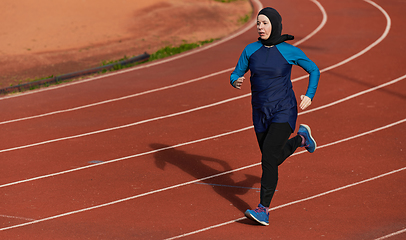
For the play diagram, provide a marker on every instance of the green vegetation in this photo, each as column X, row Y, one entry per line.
column 244, row 19
column 170, row 51
column 161, row 53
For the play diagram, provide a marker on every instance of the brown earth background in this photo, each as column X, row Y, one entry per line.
column 53, row 37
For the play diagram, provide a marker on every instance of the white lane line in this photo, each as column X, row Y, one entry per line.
column 256, row 5
column 296, row 202
column 199, row 140
column 379, row 40
column 356, row 94
column 392, row 234
column 324, row 20
column 220, row 174
column 386, row 32
column 14, row 217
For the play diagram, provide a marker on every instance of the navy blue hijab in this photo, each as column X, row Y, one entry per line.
column 276, row 21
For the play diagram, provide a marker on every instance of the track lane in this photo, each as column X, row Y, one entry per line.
column 148, row 168
column 363, row 103
column 333, row 114
column 281, row 194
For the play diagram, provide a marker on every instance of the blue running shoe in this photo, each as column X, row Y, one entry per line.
column 310, row 144
column 260, row 214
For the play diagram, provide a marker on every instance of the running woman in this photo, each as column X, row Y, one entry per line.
column 274, row 105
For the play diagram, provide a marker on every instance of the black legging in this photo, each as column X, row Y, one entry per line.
column 275, row 147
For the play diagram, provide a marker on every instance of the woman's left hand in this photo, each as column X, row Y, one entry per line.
column 306, row 101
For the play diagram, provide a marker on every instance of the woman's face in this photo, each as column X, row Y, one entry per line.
column 264, row 27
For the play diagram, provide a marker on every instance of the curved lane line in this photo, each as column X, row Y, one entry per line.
column 256, row 5
column 392, row 234
column 379, row 40
column 14, row 217
column 321, row 25
column 386, row 32
column 323, row 22
column 196, row 141
column 224, row 173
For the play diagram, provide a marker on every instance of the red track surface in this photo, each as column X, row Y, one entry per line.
column 87, row 174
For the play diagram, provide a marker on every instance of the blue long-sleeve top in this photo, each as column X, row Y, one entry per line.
column 273, row 99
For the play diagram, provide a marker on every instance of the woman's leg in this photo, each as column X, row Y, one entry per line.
column 290, row 147
column 275, row 148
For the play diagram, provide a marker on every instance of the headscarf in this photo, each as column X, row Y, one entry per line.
column 276, row 21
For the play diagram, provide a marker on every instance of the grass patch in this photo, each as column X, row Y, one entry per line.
column 161, row 53
column 244, row 19
column 170, row 51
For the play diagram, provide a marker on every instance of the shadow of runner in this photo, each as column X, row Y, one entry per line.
column 195, row 166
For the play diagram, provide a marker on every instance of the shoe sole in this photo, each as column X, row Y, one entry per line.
column 310, row 135
column 249, row 216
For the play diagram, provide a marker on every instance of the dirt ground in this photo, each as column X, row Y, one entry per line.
column 48, row 37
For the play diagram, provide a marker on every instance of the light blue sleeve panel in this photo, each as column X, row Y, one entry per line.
column 296, row 56
column 243, row 61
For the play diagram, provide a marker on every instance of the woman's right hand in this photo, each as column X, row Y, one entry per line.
column 237, row 83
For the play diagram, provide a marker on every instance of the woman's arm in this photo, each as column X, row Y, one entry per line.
column 237, row 76
column 296, row 56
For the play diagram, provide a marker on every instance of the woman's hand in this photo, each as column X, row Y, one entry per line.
column 306, row 101
column 237, row 83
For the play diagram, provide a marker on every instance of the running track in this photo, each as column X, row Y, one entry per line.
column 167, row 151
